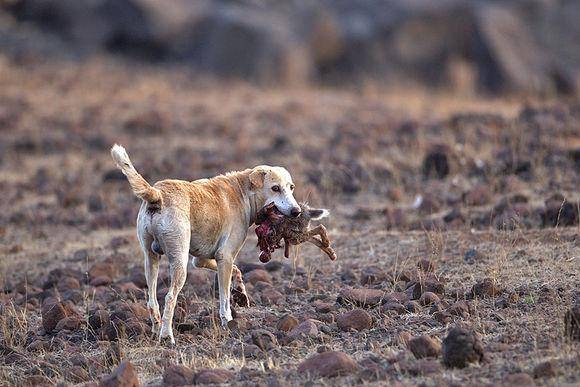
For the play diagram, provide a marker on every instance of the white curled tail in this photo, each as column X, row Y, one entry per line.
column 141, row 188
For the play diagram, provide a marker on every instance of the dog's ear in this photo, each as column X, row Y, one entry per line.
column 318, row 213
column 257, row 178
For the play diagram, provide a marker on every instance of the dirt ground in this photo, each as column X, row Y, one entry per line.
column 472, row 200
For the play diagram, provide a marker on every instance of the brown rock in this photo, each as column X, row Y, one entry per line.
column 70, row 323
column 257, row 275
column 424, row 346
column 428, row 285
column 270, row 296
column 519, row 379
column 361, row 297
column 102, row 280
column 485, row 288
column 305, row 330
column 130, row 289
column 428, row 298
column 323, row 307
column 461, row 347
column 399, row 297
column 460, row 308
column 393, row 306
column 420, row 367
column 407, row 275
column 357, row 319
column 102, row 269
column 238, row 324
column 124, row 376
column 373, row 275
column 328, row 364
column 264, row 339
column 68, row 283
column 98, row 318
column 52, row 312
column 545, row 369
column 137, row 276
column 287, row 323
column 426, row 265
column 213, row 376
column 177, row 375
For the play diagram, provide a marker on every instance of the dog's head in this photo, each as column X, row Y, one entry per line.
column 274, row 185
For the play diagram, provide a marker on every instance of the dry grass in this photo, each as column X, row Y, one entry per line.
column 61, row 119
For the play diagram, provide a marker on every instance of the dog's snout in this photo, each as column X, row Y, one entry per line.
column 296, row 211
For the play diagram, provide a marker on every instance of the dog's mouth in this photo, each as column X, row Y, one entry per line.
column 269, row 212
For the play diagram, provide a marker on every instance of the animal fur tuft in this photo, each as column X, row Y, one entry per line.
column 141, row 188
column 319, row 214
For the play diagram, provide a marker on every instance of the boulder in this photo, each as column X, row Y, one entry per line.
column 52, row 313
column 428, row 298
column 177, row 375
column 213, row 376
column 461, row 347
column 361, row 297
column 258, row 275
column 485, row 288
column 424, row 346
column 123, row 376
column 102, row 269
column 328, row 364
column 357, row 319
column 305, row 330
column 264, row 339
column 287, row 323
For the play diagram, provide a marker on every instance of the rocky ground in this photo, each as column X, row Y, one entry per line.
column 455, row 221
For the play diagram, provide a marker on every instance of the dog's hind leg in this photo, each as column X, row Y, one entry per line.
column 151, row 263
column 176, row 247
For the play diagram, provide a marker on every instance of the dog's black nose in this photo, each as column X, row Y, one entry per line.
column 295, row 212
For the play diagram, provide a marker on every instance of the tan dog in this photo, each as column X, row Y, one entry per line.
column 207, row 219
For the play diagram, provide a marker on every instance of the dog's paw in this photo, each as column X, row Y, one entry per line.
column 240, row 298
column 167, row 341
column 166, row 336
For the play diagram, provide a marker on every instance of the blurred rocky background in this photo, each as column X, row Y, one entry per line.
column 513, row 46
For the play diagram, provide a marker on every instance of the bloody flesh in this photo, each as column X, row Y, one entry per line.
column 268, row 238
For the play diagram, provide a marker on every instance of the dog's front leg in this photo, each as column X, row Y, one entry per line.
column 225, row 263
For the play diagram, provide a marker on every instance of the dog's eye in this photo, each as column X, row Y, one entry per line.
column 276, row 188
column 292, row 187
